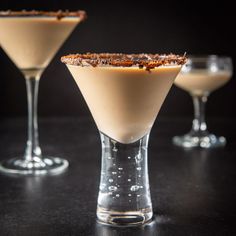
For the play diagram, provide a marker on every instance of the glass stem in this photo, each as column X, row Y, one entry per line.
column 124, row 194
column 32, row 151
column 199, row 124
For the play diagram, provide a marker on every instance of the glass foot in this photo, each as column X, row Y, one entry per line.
column 127, row 218
column 205, row 141
column 38, row 166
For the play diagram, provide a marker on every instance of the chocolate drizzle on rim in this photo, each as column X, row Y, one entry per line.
column 143, row 60
column 59, row 14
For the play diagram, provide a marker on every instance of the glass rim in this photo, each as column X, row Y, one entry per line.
column 44, row 14
column 140, row 60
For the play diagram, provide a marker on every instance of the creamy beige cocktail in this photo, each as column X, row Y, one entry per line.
column 31, row 39
column 124, row 101
column 199, row 77
column 202, row 81
column 124, row 94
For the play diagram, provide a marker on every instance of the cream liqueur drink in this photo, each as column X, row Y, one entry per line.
column 202, row 81
column 200, row 76
column 31, row 39
column 124, row 93
column 124, row 100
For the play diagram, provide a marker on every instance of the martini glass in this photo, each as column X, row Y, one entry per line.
column 124, row 94
column 31, row 39
column 199, row 77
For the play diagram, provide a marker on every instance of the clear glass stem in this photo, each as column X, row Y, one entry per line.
column 199, row 124
column 33, row 162
column 32, row 151
column 199, row 135
column 124, row 194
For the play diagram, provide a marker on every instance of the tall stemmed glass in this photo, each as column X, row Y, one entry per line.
column 199, row 77
column 124, row 94
column 31, row 39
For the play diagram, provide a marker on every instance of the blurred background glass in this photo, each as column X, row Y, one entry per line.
column 200, row 76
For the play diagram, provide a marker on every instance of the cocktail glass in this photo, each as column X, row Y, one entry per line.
column 124, row 94
column 31, row 39
column 199, row 77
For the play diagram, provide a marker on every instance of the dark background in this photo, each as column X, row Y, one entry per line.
column 193, row 191
column 195, row 27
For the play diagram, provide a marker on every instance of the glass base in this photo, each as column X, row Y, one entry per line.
column 127, row 218
column 39, row 166
column 205, row 141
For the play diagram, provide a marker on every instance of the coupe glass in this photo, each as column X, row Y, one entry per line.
column 124, row 94
column 31, row 39
column 199, row 77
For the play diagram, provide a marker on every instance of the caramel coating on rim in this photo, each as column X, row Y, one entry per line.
column 143, row 60
column 59, row 14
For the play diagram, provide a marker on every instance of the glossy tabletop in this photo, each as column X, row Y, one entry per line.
column 193, row 191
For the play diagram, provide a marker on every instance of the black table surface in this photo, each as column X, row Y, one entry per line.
column 193, row 191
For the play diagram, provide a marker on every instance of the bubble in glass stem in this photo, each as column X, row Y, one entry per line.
column 134, row 188
column 112, row 188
